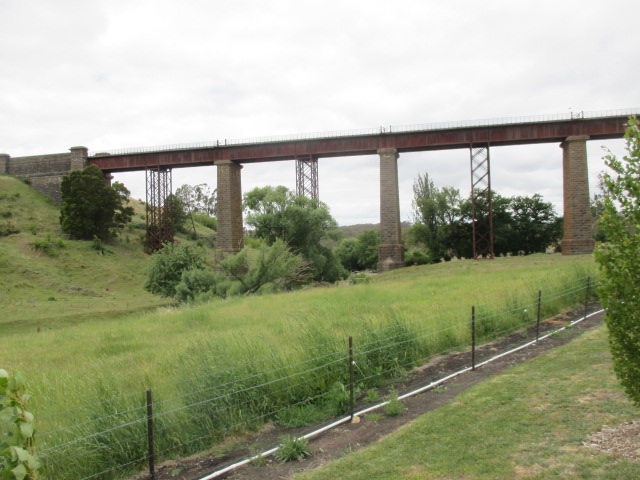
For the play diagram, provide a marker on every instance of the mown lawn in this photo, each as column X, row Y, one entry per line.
column 529, row 422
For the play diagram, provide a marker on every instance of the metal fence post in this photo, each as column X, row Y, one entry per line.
column 473, row 337
column 351, row 385
column 150, row 434
column 538, row 320
column 586, row 297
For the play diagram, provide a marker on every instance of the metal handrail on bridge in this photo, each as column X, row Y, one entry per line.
column 373, row 131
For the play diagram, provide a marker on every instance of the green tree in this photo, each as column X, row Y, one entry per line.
column 303, row 224
column 90, row 207
column 437, row 217
column 535, row 225
column 178, row 214
column 619, row 261
column 359, row 253
column 167, row 266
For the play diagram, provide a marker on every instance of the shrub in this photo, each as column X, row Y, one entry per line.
column 201, row 284
column 417, row 256
column 167, row 266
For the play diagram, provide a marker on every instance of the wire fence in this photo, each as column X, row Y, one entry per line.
column 424, row 127
column 122, row 434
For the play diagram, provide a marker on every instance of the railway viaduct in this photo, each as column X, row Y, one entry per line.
column 571, row 132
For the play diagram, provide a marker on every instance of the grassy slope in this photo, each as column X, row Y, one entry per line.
column 74, row 282
column 529, row 422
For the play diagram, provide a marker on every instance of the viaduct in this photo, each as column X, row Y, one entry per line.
column 570, row 131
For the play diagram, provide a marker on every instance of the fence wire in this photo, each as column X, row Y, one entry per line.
column 283, row 394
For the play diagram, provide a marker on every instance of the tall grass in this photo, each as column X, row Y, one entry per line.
column 287, row 363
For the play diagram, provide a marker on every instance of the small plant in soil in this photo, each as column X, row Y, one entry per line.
column 395, row 406
column 292, row 448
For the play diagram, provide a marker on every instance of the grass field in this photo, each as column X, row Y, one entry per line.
column 67, row 323
column 529, row 422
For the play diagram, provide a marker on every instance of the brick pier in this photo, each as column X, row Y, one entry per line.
column 229, row 207
column 578, row 222
column 390, row 254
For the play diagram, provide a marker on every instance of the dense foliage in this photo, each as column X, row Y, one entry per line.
column 303, row 224
column 521, row 224
column 90, row 207
column 167, row 266
column 360, row 253
column 619, row 261
column 180, row 271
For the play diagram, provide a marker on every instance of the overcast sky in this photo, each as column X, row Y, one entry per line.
column 124, row 73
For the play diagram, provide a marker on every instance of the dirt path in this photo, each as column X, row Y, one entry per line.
column 349, row 437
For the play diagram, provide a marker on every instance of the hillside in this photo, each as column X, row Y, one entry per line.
column 48, row 280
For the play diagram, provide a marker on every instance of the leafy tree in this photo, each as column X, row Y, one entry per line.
column 359, row 253
column 168, row 264
column 619, row 261
column 198, row 199
column 437, row 214
column 177, row 213
column 303, row 224
column 535, row 225
column 90, row 207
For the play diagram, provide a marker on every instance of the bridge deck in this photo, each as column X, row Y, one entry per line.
column 546, row 131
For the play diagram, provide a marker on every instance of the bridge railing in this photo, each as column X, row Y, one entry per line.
column 424, row 127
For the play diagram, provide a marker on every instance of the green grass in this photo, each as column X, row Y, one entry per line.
column 529, row 422
column 49, row 282
column 69, row 327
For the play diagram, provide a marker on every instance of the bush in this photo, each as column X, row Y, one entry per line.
column 48, row 246
column 200, row 285
column 417, row 256
column 167, row 266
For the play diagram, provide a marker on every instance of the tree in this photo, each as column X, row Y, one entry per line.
column 167, row 266
column 437, row 214
column 177, row 213
column 90, row 207
column 359, row 253
column 198, row 199
column 535, row 225
column 303, row 224
column 619, row 261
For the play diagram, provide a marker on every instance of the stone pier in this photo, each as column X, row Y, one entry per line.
column 390, row 254
column 578, row 222
column 229, row 213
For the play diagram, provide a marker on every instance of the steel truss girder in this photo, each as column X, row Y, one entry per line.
column 307, row 177
column 481, row 202
column 158, row 208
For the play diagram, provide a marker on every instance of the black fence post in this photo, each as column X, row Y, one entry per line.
column 473, row 337
column 152, row 471
column 539, row 311
column 351, row 386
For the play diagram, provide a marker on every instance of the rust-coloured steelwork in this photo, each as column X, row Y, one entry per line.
column 307, row 177
column 481, row 202
column 369, row 144
column 158, row 209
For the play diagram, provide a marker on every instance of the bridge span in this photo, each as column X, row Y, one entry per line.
column 570, row 131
